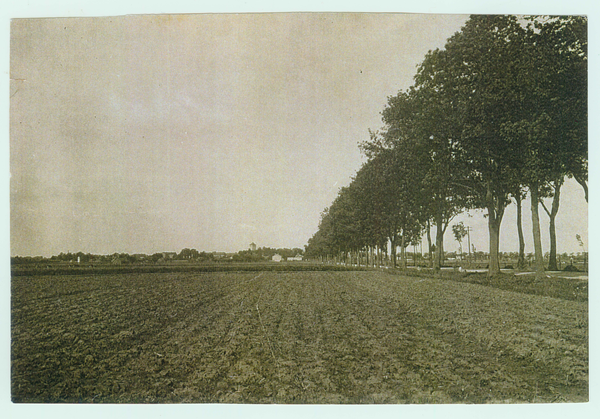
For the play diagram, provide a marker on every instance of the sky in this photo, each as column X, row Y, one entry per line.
column 150, row 133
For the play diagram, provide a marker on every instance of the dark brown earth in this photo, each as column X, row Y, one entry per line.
column 292, row 337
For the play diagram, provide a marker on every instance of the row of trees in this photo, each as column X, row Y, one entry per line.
column 500, row 112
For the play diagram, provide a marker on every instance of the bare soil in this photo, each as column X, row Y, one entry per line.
column 292, row 337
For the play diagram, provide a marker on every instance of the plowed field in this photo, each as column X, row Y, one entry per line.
column 292, row 337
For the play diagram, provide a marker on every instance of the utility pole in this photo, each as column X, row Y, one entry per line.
column 469, row 242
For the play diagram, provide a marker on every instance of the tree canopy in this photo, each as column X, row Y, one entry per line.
column 502, row 108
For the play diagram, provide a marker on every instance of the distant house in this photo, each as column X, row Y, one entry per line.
column 276, row 257
column 219, row 255
column 140, row 258
column 298, row 257
column 169, row 255
column 253, row 247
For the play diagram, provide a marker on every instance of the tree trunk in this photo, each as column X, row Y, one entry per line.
column 439, row 243
column 552, row 265
column 495, row 206
column 393, row 250
column 403, row 251
column 373, row 253
column 537, row 237
column 429, row 244
column 521, row 260
column 494, row 232
column 582, row 181
column 386, row 255
column 415, row 255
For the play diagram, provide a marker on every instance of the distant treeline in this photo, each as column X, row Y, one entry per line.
column 266, row 253
column 189, row 255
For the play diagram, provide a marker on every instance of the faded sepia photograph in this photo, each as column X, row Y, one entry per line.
column 299, row 208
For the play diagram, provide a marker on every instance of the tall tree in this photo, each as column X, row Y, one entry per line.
column 390, row 185
column 422, row 125
column 552, row 131
column 519, row 196
column 372, row 201
column 460, row 231
column 321, row 243
column 552, row 212
column 562, row 95
column 475, row 77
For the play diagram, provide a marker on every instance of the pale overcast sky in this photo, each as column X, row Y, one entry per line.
column 142, row 134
